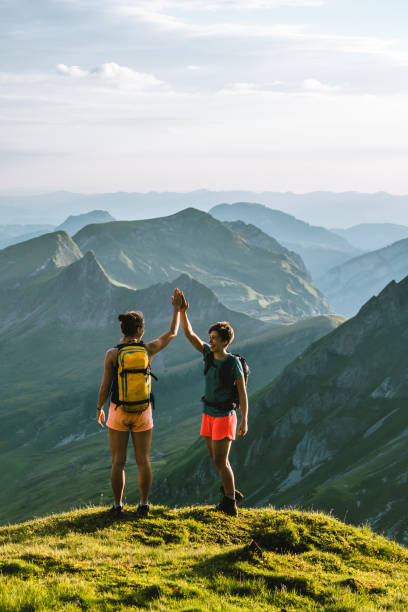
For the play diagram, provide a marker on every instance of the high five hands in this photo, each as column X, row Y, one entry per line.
column 176, row 299
column 179, row 301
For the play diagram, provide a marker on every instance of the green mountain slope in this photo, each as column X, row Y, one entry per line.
column 196, row 559
column 331, row 431
column 255, row 236
column 319, row 248
column 246, row 278
column 36, row 258
column 350, row 285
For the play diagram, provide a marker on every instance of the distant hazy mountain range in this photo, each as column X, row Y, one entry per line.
column 247, row 278
column 319, row 248
column 11, row 234
column 372, row 236
column 331, row 431
column 350, row 285
column 318, row 208
column 74, row 223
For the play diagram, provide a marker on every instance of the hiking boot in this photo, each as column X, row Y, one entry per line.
column 142, row 511
column 116, row 511
column 238, row 495
column 228, row 506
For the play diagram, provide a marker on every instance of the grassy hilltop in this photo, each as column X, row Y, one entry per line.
column 196, row 559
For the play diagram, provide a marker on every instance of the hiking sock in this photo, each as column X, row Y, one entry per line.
column 143, row 505
column 231, row 497
column 116, row 506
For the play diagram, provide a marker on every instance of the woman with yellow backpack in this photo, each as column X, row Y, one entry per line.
column 127, row 376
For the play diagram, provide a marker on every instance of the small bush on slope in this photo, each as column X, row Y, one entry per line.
column 195, row 559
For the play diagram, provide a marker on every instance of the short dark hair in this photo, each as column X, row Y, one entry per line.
column 131, row 322
column 224, row 330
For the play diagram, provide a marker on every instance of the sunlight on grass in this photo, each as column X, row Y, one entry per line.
column 195, row 559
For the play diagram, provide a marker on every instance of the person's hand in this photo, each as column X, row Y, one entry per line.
column 100, row 416
column 176, row 299
column 184, row 304
column 243, row 427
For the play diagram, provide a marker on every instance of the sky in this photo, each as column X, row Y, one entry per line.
column 176, row 95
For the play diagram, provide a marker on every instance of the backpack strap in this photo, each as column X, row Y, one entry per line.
column 140, row 343
column 208, row 362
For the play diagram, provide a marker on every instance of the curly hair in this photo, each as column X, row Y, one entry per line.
column 224, row 330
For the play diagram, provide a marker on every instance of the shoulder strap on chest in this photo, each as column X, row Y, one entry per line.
column 208, row 362
column 119, row 346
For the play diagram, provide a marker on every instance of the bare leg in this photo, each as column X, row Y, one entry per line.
column 141, row 444
column 118, row 441
column 220, row 452
column 208, row 442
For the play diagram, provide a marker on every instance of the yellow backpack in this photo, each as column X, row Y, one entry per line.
column 131, row 386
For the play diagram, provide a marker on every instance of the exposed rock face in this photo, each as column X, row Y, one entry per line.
column 332, row 429
column 351, row 284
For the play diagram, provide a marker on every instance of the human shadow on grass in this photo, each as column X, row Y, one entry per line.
column 245, row 567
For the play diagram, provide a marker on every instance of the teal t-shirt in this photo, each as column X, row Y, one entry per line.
column 214, row 390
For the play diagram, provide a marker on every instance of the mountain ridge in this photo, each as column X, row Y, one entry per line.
column 318, row 247
column 246, row 278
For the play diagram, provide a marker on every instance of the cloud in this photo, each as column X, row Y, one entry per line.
column 72, row 71
column 315, row 86
column 111, row 72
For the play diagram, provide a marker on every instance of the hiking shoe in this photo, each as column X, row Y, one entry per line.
column 238, row 495
column 116, row 511
column 142, row 511
column 228, row 506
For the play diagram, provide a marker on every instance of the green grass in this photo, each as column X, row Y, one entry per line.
column 197, row 559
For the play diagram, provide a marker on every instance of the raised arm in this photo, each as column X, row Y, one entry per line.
column 160, row 343
column 186, row 325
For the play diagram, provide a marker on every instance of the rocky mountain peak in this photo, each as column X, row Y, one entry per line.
column 84, row 274
column 38, row 257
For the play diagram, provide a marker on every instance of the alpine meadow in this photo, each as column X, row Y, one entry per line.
column 203, row 306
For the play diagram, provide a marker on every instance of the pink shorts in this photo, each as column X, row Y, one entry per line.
column 218, row 428
column 120, row 420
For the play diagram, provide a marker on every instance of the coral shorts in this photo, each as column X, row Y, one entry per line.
column 120, row 420
column 218, row 428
